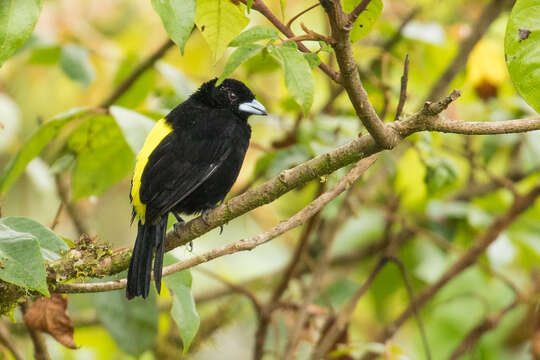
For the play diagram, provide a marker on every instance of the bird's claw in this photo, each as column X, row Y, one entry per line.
column 178, row 226
column 190, row 246
column 204, row 217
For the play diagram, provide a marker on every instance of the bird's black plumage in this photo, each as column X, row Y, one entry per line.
column 190, row 170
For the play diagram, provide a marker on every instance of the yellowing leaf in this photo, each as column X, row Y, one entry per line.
column 367, row 18
column 486, row 64
column 409, row 182
column 220, row 21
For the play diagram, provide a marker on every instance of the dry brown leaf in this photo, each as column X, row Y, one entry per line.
column 49, row 315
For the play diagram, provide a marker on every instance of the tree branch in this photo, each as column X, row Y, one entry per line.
column 488, row 323
column 241, row 245
column 353, row 15
column 350, row 77
column 7, row 342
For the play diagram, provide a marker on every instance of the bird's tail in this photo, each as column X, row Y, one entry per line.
column 150, row 239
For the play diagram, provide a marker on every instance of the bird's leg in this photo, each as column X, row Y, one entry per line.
column 204, row 217
column 178, row 224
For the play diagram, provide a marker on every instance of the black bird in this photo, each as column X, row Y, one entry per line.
column 189, row 162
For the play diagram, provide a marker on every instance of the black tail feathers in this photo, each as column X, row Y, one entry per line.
column 150, row 239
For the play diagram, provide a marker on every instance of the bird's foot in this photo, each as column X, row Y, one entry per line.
column 190, row 246
column 178, row 224
column 204, row 217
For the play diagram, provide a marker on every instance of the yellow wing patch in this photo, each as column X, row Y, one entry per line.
column 156, row 135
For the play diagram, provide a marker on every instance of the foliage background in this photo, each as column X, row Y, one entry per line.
column 81, row 50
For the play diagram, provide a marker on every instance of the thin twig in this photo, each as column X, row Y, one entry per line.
column 475, row 334
column 259, row 6
column 234, row 287
column 71, row 207
column 519, row 205
column 136, row 73
column 403, row 90
column 57, row 216
column 357, row 11
column 7, row 342
column 408, row 286
column 344, row 315
column 328, row 237
column 300, row 14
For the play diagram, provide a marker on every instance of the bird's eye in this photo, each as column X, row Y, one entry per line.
column 233, row 97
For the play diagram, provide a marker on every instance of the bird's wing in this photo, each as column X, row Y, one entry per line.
column 176, row 167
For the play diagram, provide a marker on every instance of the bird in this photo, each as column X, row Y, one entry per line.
column 187, row 165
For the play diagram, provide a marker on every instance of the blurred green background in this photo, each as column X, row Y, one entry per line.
column 81, row 50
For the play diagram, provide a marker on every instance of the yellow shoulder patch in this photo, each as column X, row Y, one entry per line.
column 156, row 135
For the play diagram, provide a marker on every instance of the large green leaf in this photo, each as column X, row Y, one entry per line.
column 239, row 55
column 367, row 18
column 298, row 75
column 134, row 126
column 133, row 324
column 76, row 65
column 256, row 33
column 20, row 260
column 178, row 17
column 33, row 146
column 522, row 50
column 51, row 245
column 183, row 310
column 103, row 156
column 17, row 21
column 219, row 22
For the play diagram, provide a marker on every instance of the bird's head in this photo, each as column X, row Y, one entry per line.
column 231, row 94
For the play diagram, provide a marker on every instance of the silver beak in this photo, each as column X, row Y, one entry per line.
column 253, row 107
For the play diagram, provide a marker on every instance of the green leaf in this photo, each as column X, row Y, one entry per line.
column 298, row 75
column 17, row 21
column 45, row 55
column 440, row 173
column 134, row 126
column 103, row 156
column 272, row 163
column 76, row 65
column 256, row 33
column 20, row 260
column 51, row 245
column 219, row 22
column 239, row 55
column 522, row 50
column 249, row 3
column 133, row 324
column 367, row 18
column 178, row 17
column 312, row 59
column 183, row 310
column 33, row 146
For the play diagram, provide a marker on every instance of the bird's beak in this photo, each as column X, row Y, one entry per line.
column 253, row 107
